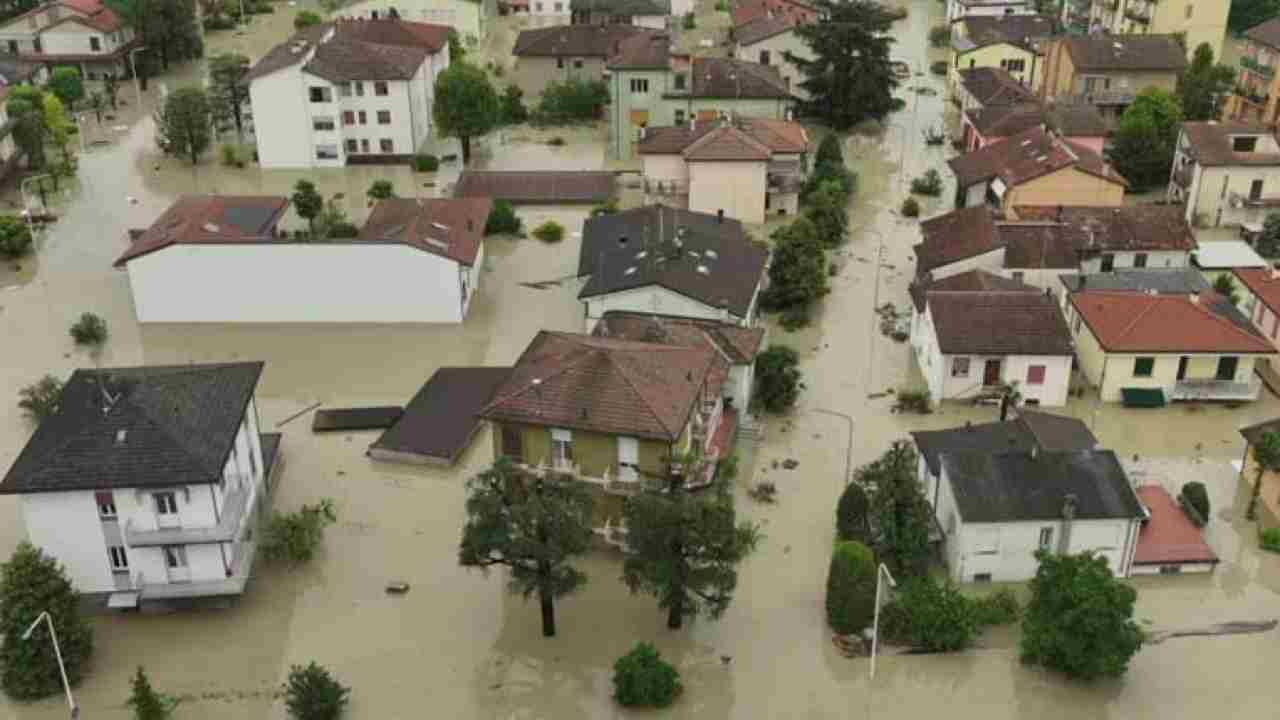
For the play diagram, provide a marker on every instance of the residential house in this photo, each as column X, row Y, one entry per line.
column 1108, row 71
column 1149, row 348
column 1008, row 42
column 147, row 483
column 1226, row 173
column 15, row 71
column 1035, row 167
column 415, row 261
column 556, row 54
column 84, row 34
column 972, row 344
column 1268, row 509
column 982, row 87
column 351, row 91
column 747, row 168
column 1169, row 543
column 737, row 344
column 767, row 35
column 1225, row 257
column 471, row 18
column 1079, row 124
column 1261, row 302
column 667, row 261
column 1257, row 91
column 1201, row 21
column 997, row 509
column 1182, row 281
column 650, row 85
column 961, row 9
column 1147, row 236
column 641, row 13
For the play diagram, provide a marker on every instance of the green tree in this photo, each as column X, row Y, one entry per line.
column 39, row 400
column 797, row 272
column 25, row 108
column 848, row 78
column 1226, row 287
column 851, row 588
column 641, row 678
column 110, row 89
column 333, row 222
column 65, row 82
column 15, row 237
column 31, row 583
column 1144, row 141
column 306, row 18
column 312, row 693
column 59, row 133
column 1266, row 458
column 147, row 703
column 381, row 190
column 778, row 378
column 502, row 220
column 228, row 91
column 938, row 617
column 185, row 123
column 1080, row 618
column 307, row 202
column 533, row 526
column 466, row 105
column 1197, row 496
column 685, row 549
column 830, row 151
column 572, row 99
column 900, row 514
column 1268, row 244
column 852, row 514
column 829, row 213
column 1245, row 14
column 457, row 51
column 90, row 329
column 168, row 28
column 1203, row 85
column 513, row 109
column 296, row 536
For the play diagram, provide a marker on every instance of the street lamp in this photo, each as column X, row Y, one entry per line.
column 71, row 703
column 882, row 573
column 133, row 65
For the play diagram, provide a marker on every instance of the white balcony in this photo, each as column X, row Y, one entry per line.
column 170, row 532
column 1209, row 389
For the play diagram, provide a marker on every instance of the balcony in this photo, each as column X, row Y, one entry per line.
column 1104, row 97
column 1265, row 71
column 234, row 508
column 666, row 188
column 233, row 584
column 1209, row 389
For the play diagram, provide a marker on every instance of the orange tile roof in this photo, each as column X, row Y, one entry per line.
column 1264, row 283
column 1169, row 536
column 1137, row 322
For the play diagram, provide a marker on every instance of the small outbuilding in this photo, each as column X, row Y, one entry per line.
column 439, row 422
column 1169, row 543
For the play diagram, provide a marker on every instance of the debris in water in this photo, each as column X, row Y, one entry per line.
column 1241, row 627
column 764, row 492
column 397, row 587
column 791, row 463
column 726, row 659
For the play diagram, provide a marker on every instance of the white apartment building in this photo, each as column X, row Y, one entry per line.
column 84, row 34
column 147, row 482
column 354, row 91
column 471, row 18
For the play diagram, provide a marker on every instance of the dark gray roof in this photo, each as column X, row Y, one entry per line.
column 1177, row 282
column 584, row 40
column 1022, row 486
column 537, row 186
column 700, row 256
column 441, row 419
column 622, row 7
column 1019, row 30
column 998, row 322
column 1039, row 430
column 137, row 427
column 1253, row 433
column 1103, row 53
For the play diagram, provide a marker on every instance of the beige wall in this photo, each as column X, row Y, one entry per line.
column 1067, row 186
column 665, row 168
column 991, row 56
column 1207, row 24
column 777, row 47
column 1212, row 192
column 737, row 188
column 533, row 74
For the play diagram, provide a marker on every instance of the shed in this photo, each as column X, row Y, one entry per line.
column 438, row 423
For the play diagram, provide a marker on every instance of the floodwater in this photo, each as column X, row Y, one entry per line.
column 458, row 645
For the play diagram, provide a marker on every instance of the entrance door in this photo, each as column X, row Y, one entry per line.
column 1182, row 367
column 991, row 373
column 1227, row 368
column 628, row 458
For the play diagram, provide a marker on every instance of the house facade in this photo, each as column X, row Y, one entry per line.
column 84, row 34
column 1256, row 98
column 1261, row 302
column 961, row 9
column 471, row 18
column 652, row 14
column 1198, row 22
column 1226, row 173
column 1108, row 71
column 353, row 91
column 1010, row 42
column 556, row 54
column 771, row 41
column 147, row 483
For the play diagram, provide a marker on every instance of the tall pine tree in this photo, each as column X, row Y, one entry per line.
column 849, row 78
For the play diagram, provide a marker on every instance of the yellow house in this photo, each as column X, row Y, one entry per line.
column 1185, row 347
column 1257, row 90
column 1108, row 71
column 1199, row 21
column 1009, row 42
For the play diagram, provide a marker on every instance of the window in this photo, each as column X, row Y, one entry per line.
column 1172, row 569
column 577, row 63
column 561, row 447
column 1035, row 374
column 680, row 81
column 960, row 367
column 1144, row 366
column 640, row 85
column 559, row 7
column 764, row 57
column 1014, row 65
column 364, row 145
column 348, row 117
column 322, row 123
column 364, row 118
column 344, row 90
column 380, row 88
column 679, row 117
column 982, row 577
column 1255, row 190
column 321, row 94
column 352, row 146
column 106, row 505
column 1108, row 262
column 1140, row 260
column 1187, row 15
column 559, row 63
column 166, row 503
column 386, row 146
column 326, row 152
column 359, row 89
column 1018, row 275
column 537, row 7
column 1046, row 537
column 512, row 443
column 13, row 47
column 175, row 556
column 95, row 43
column 36, row 45
column 119, row 560
column 384, row 117
column 1244, row 144
column 1227, row 365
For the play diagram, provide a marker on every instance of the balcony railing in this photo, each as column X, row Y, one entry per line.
column 1104, row 97
column 665, row 187
column 1216, row 390
column 227, row 529
column 234, row 584
column 1266, row 71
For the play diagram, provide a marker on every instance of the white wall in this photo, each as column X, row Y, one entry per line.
column 739, row 385
column 281, row 119
column 467, row 17
column 651, row 299
column 1156, row 260
column 992, row 261
column 296, row 282
column 66, row 526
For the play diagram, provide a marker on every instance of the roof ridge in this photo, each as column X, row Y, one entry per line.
column 624, row 371
column 1206, row 296
column 1133, row 323
column 562, row 369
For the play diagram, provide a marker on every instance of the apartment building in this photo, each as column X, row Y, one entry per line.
column 1199, row 21
column 471, row 18
column 1257, row 91
column 765, row 32
column 1226, row 173
column 961, row 9
column 652, row 14
column 556, row 54
column 1108, row 71
column 347, row 92
column 84, row 34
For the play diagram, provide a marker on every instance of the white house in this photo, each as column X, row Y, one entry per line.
column 353, row 91
column 471, row 18
column 997, row 509
column 147, row 482
column 415, row 261
column 771, row 40
column 960, row 9
column 84, row 34
column 969, row 344
column 1226, row 173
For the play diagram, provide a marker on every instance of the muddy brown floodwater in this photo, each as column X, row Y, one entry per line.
column 457, row 645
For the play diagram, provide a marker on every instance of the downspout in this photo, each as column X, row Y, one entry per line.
column 217, row 520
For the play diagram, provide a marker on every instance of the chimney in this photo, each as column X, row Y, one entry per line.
column 720, row 216
column 1194, row 297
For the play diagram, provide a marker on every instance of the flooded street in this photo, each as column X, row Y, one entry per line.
column 457, row 645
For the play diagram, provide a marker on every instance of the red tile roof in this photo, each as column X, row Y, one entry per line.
column 1131, row 322
column 955, row 236
column 779, row 136
column 746, row 11
column 1169, row 537
column 727, row 143
column 210, row 219
column 448, row 227
column 971, row 281
column 1124, row 228
column 1026, row 156
column 1264, row 283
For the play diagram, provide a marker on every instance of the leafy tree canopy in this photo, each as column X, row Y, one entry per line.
column 66, row 83
column 185, row 123
column 1204, row 85
column 778, row 378
column 31, row 583
column 900, row 514
column 1245, row 14
column 1144, row 141
column 466, row 105
column 849, row 78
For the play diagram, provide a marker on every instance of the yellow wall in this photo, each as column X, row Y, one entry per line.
column 594, row 453
column 991, row 55
column 1067, row 186
column 1207, row 24
column 736, row 187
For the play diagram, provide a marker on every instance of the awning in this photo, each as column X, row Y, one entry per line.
column 1142, row 397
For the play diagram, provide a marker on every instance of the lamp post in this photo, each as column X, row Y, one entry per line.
column 882, row 573
column 53, row 634
column 848, row 448
column 133, row 65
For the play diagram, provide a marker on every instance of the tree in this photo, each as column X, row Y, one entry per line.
column 168, row 28
column 148, row 704
column 830, row 151
column 851, row 514
column 849, row 78
column 90, row 329
column 228, row 91
column 1226, row 287
column 777, row 378
column 1144, row 141
column 829, row 213
column 381, row 190
column 851, row 588
column 184, row 123
column 25, row 108
column 900, row 514
column 684, row 549
column 59, row 133
column 502, row 220
column 110, row 88
column 306, row 18
column 513, row 109
column 641, row 678
column 938, row 617
column 65, row 82
column 1245, row 14
column 1203, row 84
column 31, row 583
column 307, row 202
column 571, row 100
column 39, row 400
column 296, row 536
column 1268, row 243
column 533, row 526
column 15, row 237
column 1266, row 457
column 797, row 273
column 1197, row 496
column 549, row 232
column 466, row 105
column 312, row 693
column 333, row 221
column 1080, row 618
column 456, row 49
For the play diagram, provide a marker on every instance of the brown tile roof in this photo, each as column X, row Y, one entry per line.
column 971, row 281
column 209, row 219
column 1266, row 33
column 763, row 28
column 642, row 52
column 1210, row 143
column 998, row 323
column 1026, row 156
column 385, row 49
column 1264, row 283
column 955, row 236
column 1128, row 322
column 1041, row 246
column 575, row 40
column 537, row 186
column 448, row 227
column 1101, row 53
column 998, row 121
column 1076, row 120
column 604, row 385
column 780, row 136
column 739, row 344
column 746, row 11
column 727, row 143
column 994, row 86
column 621, row 7
column 725, row 78
column 1128, row 227
column 1168, row 536
column 1020, row 30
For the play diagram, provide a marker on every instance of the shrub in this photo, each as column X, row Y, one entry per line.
column 90, row 329
column 218, row 22
column 571, row 100
column 910, row 207
column 609, row 207
column 897, row 105
column 426, row 163
column 306, row 18
column 939, row 36
column 342, row 229
column 641, row 678
column 916, row 401
column 31, row 583
column 690, row 21
column 728, row 468
column 939, row 67
column 778, row 378
column 147, row 703
column 1197, row 496
column 15, row 237
column 928, row 184
column 999, row 608
column 512, row 106
column 296, row 536
column 1269, row 540
column 796, row 317
column 232, row 155
column 798, row 273
column 549, row 232
column 851, row 514
column 312, row 693
column 556, row 141
column 502, row 220
column 40, row 399
column 764, row 492
column 851, row 587
column 938, row 617
column 722, row 5
column 381, row 190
